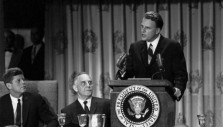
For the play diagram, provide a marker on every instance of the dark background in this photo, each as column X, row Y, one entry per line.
column 23, row 13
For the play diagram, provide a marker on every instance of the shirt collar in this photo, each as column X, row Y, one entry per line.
column 88, row 102
column 38, row 46
column 15, row 101
column 154, row 43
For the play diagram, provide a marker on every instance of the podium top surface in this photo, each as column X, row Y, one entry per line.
column 140, row 81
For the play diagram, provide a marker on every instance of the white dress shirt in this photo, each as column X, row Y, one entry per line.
column 154, row 43
column 14, row 104
column 88, row 102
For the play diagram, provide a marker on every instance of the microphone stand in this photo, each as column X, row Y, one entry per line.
column 161, row 73
column 160, row 65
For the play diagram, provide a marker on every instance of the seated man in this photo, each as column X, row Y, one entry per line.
column 81, row 84
column 22, row 108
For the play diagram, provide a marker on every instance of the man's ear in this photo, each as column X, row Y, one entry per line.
column 158, row 30
column 75, row 87
column 9, row 85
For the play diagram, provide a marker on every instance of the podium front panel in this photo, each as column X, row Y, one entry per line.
column 167, row 104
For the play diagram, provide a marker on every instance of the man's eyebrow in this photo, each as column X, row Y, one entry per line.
column 87, row 81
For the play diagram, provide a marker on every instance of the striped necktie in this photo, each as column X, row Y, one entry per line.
column 86, row 108
column 150, row 53
column 33, row 53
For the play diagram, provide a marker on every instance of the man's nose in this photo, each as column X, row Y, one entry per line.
column 22, row 82
column 88, row 84
column 142, row 29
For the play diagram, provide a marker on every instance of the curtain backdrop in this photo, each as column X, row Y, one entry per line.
column 2, row 41
column 90, row 35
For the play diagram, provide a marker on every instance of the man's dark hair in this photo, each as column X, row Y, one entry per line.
column 156, row 17
column 8, row 76
column 9, row 38
column 9, row 33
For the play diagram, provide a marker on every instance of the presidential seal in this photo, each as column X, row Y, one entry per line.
column 137, row 106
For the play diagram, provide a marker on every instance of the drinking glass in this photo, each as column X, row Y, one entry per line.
column 96, row 120
column 201, row 120
column 61, row 118
column 82, row 119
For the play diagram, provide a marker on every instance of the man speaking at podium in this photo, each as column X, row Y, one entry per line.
column 157, row 57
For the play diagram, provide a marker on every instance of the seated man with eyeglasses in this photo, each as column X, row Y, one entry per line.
column 81, row 85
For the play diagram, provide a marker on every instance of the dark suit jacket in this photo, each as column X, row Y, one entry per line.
column 15, row 59
column 35, row 110
column 35, row 70
column 98, row 106
column 173, row 62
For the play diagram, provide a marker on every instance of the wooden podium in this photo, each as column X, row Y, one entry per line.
column 167, row 103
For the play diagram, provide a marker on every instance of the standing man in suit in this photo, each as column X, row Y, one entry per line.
column 21, row 108
column 142, row 59
column 32, row 62
column 17, row 52
column 81, row 84
column 9, row 43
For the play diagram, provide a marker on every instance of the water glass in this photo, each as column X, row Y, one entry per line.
column 61, row 118
column 201, row 120
column 82, row 119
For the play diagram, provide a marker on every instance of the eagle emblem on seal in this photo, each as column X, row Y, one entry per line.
column 137, row 105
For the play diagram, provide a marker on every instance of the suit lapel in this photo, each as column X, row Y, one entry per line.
column 158, row 50
column 38, row 54
column 93, row 106
column 25, row 108
column 79, row 108
column 10, row 112
column 160, row 46
column 143, row 53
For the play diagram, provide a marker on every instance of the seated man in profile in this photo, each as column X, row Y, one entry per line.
column 81, row 84
column 21, row 108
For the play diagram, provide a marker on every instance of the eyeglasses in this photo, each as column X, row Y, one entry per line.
column 85, row 83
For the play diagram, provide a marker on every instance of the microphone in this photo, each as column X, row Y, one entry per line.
column 159, row 61
column 121, row 64
column 160, row 64
column 121, row 60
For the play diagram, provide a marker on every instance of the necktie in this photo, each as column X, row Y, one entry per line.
column 150, row 53
column 33, row 53
column 18, row 113
column 86, row 108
